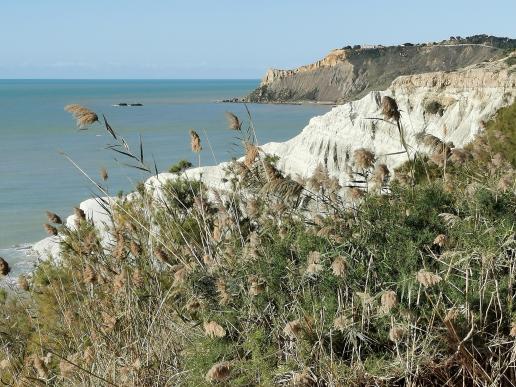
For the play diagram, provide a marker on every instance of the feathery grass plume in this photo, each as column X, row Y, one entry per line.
column 53, row 218
column 449, row 219
column 82, row 115
column 293, row 329
column 341, row 323
column 180, row 275
column 339, row 266
column 79, row 213
column 233, row 121
column 195, row 141
column 219, row 372
column 4, row 364
column 40, row 367
column 88, row 356
column 119, row 281
column 388, row 301
column 66, row 369
column 506, row 182
column 104, row 173
column 440, row 240
column 459, row 156
column 89, row 276
column 51, row 230
column 513, row 329
column 256, row 286
column 427, row 279
column 251, row 153
column 108, row 322
column 222, row 291
column 285, row 188
column 303, row 379
column 213, row 329
column 364, row 158
column 355, row 193
column 396, row 333
column 4, row 267
column 135, row 248
column 390, row 108
column 433, row 142
column 23, row 283
column 137, row 278
column 381, row 173
column 451, row 314
column 162, row 255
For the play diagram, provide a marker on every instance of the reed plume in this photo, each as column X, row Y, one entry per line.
column 427, row 279
column 388, row 301
column 51, row 230
column 341, row 323
column 195, row 141
column 213, row 329
column 104, row 174
column 440, row 240
column 396, row 333
column 89, row 276
column 233, row 121
column 219, row 372
column 40, row 367
column 293, row 329
column 251, row 153
column 23, row 283
column 82, row 115
column 4, row 267
column 364, row 158
column 339, row 266
column 54, row 218
column 390, row 108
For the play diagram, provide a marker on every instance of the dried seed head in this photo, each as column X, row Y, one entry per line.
column 397, row 333
column 390, row 108
column 54, row 218
column 51, row 230
column 195, row 141
column 136, row 249
column 222, row 291
column 293, row 329
column 303, row 379
column 137, row 278
column 23, row 283
column 440, row 240
column 162, row 255
column 219, row 372
column 108, row 322
column 339, row 266
column 341, row 323
column 104, row 174
column 251, row 153
column 89, row 276
column 388, row 301
column 4, row 267
column 213, row 329
column 88, row 355
column 427, row 279
column 40, row 367
column 119, row 281
column 82, row 115
column 364, row 158
column 79, row 213
column 233, row 121
column 66, row 368
column 513, row 329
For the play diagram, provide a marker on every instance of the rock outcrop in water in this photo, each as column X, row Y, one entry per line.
column 349, row 73
column 465, row 99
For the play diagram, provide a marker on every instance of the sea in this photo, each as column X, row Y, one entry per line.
column 35, row 132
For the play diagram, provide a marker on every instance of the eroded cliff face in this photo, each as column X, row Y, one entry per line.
column 466, row 99
column 347, row 74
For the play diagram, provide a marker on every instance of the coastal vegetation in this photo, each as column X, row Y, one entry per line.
column 407, row 279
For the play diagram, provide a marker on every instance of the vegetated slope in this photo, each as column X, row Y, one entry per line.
column 350, row 73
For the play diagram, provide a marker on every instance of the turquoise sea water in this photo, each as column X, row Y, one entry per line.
column 34, row 129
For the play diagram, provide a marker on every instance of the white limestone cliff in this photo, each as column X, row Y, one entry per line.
column 468, row 97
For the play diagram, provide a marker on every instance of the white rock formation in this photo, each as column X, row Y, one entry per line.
column 469, row 97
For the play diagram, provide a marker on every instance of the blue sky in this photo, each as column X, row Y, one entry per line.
column 219, row 38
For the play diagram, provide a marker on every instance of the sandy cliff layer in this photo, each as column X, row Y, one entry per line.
column 466, row 98
column 348, row 74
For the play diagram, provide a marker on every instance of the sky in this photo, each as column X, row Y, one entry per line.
column 219, row 38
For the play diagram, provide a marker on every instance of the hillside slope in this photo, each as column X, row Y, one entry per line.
column 349, row 73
